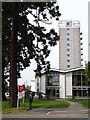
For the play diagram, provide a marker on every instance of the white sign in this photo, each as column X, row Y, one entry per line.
column 21, row 94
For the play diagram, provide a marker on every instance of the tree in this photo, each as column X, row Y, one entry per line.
column 25, row 41
column 87, row 71
column 5, row 69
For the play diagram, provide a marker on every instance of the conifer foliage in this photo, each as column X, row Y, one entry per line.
column 23, row 40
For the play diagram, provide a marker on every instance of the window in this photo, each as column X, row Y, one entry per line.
column 79, row 88
column 68, row 60
column 67, row 28
column 67, row 39
column 52, row 80
column 68, row 66
column 37, row 84
column 84, row 88
column 56, row 80
column 67, row 33
column 49, row 80
column 68, row 55
column 68, row 44
column 56, row 83
column 68, row 49
column 67, row 23
column 74, row 88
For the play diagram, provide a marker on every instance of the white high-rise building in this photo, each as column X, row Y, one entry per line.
column 70, row 45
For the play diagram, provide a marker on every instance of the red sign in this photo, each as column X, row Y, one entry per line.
column 21, row 88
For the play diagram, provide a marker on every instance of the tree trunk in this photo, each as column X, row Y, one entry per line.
column 13, row 60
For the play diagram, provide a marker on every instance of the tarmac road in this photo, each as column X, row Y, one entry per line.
column 51, row 114
column 75, row 110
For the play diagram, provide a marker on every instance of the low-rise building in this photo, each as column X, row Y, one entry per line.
column 63, row 84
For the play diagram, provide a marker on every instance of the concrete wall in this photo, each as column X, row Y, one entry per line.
column 76, row 48
column 33, row 86
column 62, row 49
column 62, row 85
column 68, row 85
column 69, row 45
column 43, row 84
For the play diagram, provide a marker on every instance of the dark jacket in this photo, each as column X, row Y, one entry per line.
column 30, row 98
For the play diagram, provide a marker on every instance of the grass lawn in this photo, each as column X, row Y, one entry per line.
column 50, row 104
column 35, row 104
column 84, row 102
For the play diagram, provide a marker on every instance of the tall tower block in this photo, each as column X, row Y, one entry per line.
column 70, row 45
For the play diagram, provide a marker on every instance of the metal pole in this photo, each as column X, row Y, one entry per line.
column 23, row 100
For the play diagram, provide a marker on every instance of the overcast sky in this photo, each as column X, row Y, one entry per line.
column 70, row 10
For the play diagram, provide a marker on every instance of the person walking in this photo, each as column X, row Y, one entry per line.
column 30, row 101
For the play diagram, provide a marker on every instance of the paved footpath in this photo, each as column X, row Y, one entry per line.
column 75, row 110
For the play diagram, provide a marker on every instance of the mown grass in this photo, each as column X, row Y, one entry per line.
column 35, row 104
column 50, row 104
column 84, row 102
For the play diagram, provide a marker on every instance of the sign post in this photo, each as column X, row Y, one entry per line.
column 21, row 94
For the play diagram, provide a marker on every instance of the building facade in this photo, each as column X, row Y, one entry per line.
column 63, row 84
column 70, row 45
